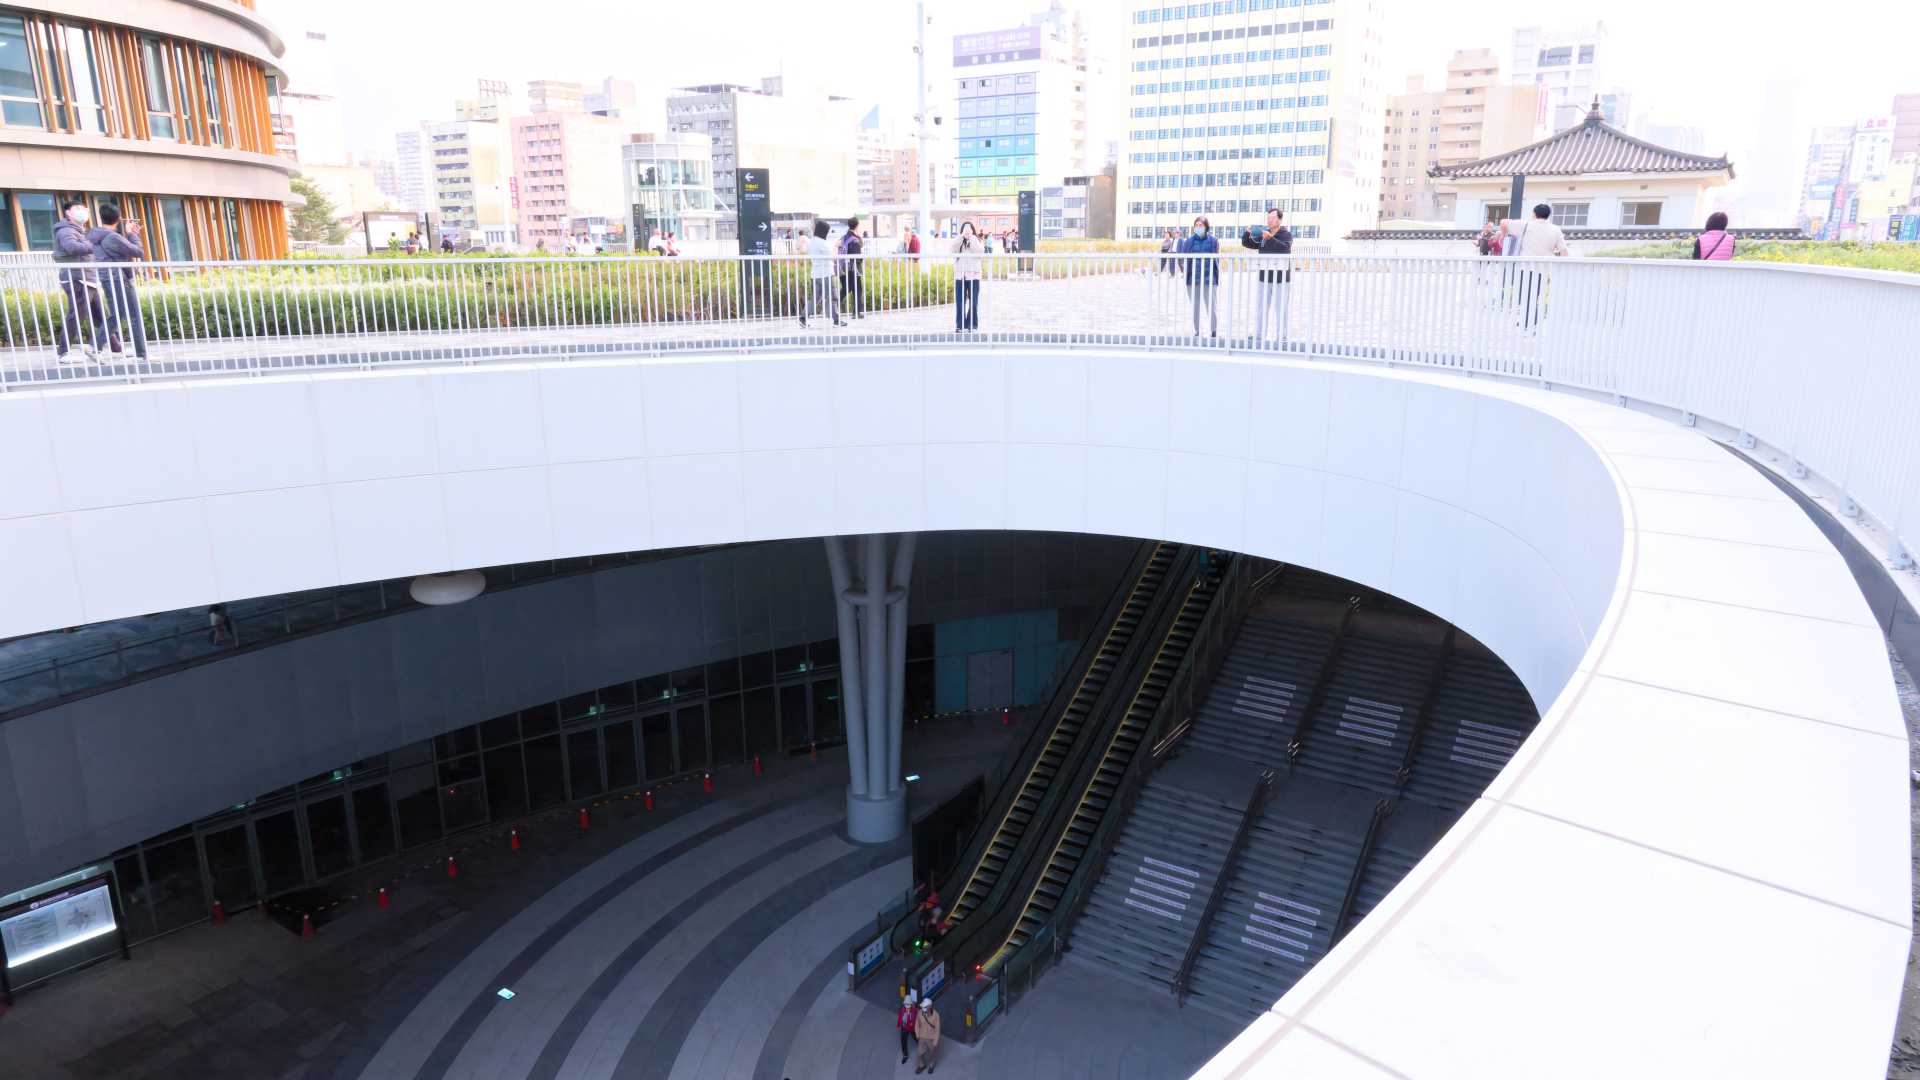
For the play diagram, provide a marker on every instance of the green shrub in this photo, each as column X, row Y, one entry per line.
column 418, row 294
column 1898, row 257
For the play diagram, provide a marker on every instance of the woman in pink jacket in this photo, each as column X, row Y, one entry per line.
column 1716, row 244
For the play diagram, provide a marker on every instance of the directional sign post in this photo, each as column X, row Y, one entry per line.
column 755, row 226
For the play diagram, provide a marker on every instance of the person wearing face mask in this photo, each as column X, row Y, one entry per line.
column 966, row 279
column 81, row 286
column 1203, row 274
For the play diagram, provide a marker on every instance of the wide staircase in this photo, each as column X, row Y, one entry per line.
column 1378, row 726
column 1283, row 897
column 1254, row 706
column 1160, row 876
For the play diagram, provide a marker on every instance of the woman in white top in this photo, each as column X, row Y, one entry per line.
column 820, row 276
column 966, row 279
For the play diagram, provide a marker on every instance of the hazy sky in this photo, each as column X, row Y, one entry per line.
column 1754, row 85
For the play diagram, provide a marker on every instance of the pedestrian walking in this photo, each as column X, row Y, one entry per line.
column 1538, row 237
column 966, row 279
column 850, row 248
column 1168, row 247
column 913, row 241
column 903, row 1021
column 820, row 276
column 1203, row 274
column 1716, row 244
column 80, row 286
column 110, row 245
column 926, row 1030
column 1271, row 299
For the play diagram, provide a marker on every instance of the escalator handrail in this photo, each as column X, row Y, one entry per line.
column 1056, row 807
column 1036, row 738
column 1212, row 638
column 1083, row 781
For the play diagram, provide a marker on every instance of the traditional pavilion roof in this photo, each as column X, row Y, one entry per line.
column 1592, row 147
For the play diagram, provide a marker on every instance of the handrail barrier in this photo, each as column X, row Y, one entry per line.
column 1217, row 894
column 1808, row 365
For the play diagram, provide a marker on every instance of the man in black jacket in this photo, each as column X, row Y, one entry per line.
column 1272, row 295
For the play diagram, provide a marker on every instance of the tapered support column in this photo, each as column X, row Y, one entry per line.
column 873, row 649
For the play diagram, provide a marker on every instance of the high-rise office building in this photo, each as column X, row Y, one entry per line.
column 413, row 186
column 1571, row 68
column 566, row 164
column 806, row 139
column 1474, row 116
column 470, row 162
column 1023, row 103
column 1825, row 167
column 553, row 95
column 1235, row 108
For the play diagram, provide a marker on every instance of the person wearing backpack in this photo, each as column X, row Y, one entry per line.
column 1716, row 244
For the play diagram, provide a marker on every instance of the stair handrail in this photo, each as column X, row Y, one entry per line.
column 1241, row 832
column 1002, row 792
column 1216, row 631
column 1380, row 811
column 1322, row 681
column 1425, row 716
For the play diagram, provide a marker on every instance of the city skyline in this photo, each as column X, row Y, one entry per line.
column 1658, row 55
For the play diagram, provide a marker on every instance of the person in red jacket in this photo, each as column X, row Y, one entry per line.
column 903, row 1021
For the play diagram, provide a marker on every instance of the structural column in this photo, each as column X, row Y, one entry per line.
column 871, row 609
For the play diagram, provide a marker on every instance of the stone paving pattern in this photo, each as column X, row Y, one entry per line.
column 705, row 939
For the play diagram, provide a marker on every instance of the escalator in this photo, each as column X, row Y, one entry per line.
column 1056, row 744
column 1100, row 779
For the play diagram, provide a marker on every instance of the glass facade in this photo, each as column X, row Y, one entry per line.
column 602, row 742
column 672, row 195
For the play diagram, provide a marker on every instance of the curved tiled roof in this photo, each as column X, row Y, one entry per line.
column 1593, row 147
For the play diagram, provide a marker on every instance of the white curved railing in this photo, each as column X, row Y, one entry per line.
column 1814, row 366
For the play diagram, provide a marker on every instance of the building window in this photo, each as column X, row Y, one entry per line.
column 83, row 77
column 9, row 241
column 19, row 90
column 1640, row 213
column 38, row 213
column 173, row 222
column 183, row 71
column 210, row 85
column 153, row 57
column 1571, row 215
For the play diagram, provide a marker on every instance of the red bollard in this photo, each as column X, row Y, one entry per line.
column 706, row 783
column 1006, row 717
column 649, row 800
column 384, row 902
column 756, row 764
column 453, row 868
column 513, row 839
column 306, row 925
column 585, row 821
column 813, row 750
column 219, row 913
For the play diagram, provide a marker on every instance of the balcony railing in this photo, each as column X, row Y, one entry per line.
column 1811, row 364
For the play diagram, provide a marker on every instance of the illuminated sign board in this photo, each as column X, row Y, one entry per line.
column 56, row 922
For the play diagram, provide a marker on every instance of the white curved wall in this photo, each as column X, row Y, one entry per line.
column 1698, row 864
